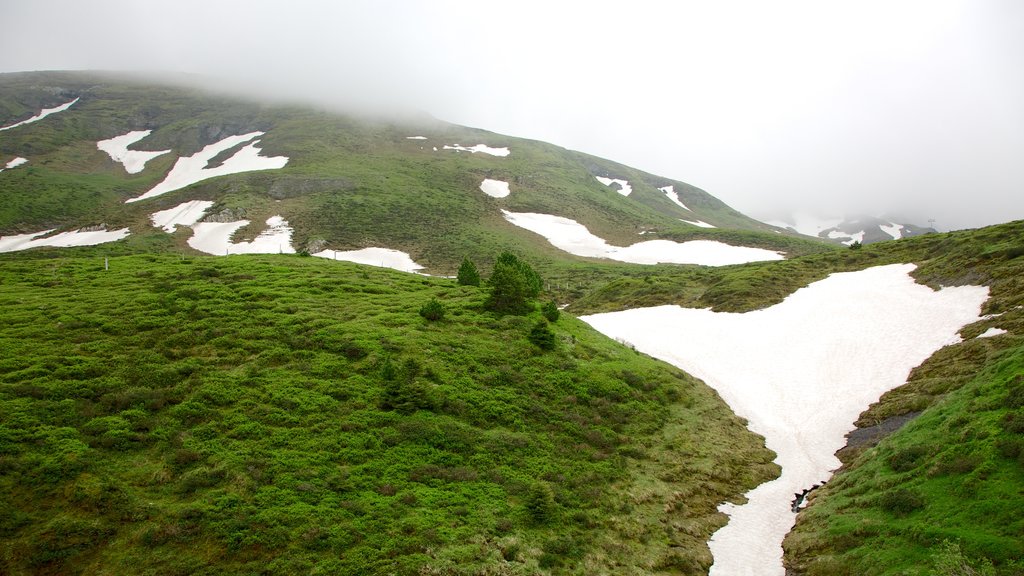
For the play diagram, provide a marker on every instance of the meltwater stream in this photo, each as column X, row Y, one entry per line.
column 800, row 372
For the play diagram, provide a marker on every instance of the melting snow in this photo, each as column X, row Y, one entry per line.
column 809, row 366
column 382, row 257
column 991, row 332
column 699, row 223
column 42, row 114
column 857, row 237
column 624, row 188
column 63, row 240
column 573, row 237
column 215, row 238
column 14, row 163
column 134, row 161
column 673, row 196
column 495, row 188
column 192, row 169
column 480, row 148
column 185, row 214
column 894, row 230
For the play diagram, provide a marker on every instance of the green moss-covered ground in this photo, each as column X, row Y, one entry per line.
column 281, row 414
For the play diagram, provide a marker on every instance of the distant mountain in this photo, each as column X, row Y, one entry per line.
column 847, row 230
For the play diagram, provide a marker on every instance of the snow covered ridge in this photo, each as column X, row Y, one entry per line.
column 192, row 169
column 184, row 214
column 623, row 185
column 574, row 238
column 864, row 229
column 134, row 161
column 215, row 238
column 480, row 148
column 42, row 114
column 18, row 161
column 78, row 237
column 495, row 188
column 673, row 196
column 382, row 257
column 811, row 365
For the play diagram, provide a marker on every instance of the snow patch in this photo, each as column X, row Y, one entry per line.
column 18, row 161
column 495, row 188
column 894, row 230
column 42, row 114
column 699, row 223
column 480, row 148
column 192, row 169
column 134, row 161
column 63, row 240
column 851, row 238
column 215, row 238
column 185, row 214
column 624, row 188
column 574, row 238
column 381, row 257
column 991, row 332
column 673, row 196
column 415, row 137
column 810, row 365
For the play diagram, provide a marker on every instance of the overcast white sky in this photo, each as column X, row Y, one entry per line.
column 908, row 105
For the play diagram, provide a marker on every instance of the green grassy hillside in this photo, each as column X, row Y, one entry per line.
column 280, row 415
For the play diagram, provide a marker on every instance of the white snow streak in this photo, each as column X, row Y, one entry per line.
column 215, row 238
column 480, row 148
column 624, row 188
column 800, row 372
column 699, row 223
column 43, row 114
column 18, row 161
column 673, row 196
column 192, row 169
column 991, row 332
column 134, row 161
column 63, row 240
column 574, row 238
column 185, row 214
column 381, row 257
column 894, row 230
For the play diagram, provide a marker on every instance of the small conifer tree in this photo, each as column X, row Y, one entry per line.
column 540, row 503
column 542, row 336
column 468, row 276
column 550, row 311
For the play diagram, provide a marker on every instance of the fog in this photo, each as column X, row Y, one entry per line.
column 910, row 107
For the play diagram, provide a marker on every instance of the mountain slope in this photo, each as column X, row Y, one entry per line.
column 348, row 183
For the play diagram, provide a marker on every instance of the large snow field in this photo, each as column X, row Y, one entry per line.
column 673, row 196
column 134, row 161
column 574, row 238
column 215, row 238
column 495, row 188
column 381, row 257
column 480, row 148
column 624, row 188
column 800, row 372
column 191, row 169
column 42, row 114
column 62, row 240
column 184, row 214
